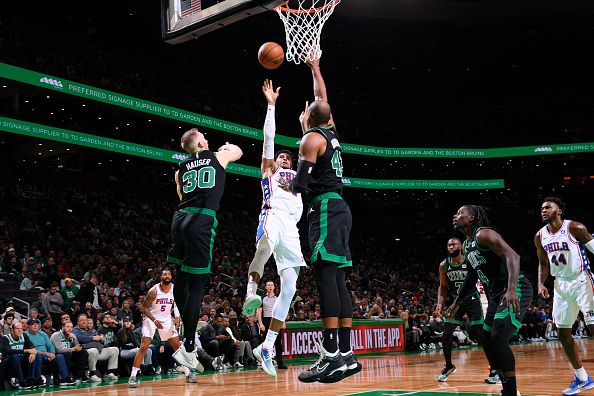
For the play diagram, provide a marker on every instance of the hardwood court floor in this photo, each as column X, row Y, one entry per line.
column 542, row 370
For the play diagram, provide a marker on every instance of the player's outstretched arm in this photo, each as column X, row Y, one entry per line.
column 543, row 266
column 228, row 153
column 319, row 86
column 580, row 233
column 268, row 165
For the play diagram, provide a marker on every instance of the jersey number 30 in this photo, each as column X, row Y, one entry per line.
column 337, row 163
column 204, row 178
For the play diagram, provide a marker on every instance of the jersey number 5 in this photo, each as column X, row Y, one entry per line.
column 337, row 163
column 204, row 178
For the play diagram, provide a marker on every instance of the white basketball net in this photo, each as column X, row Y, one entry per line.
column 303, row 26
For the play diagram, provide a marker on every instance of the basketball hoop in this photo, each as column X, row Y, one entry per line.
column 303, row 26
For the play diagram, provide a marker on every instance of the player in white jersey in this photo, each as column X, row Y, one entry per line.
column 277, row 234
column 157, row 310
column 560, row 246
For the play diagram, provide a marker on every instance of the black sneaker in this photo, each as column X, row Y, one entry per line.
column 328, row 369
column 26, row 384
column 353, row 366
column 67, row 381
column 446, row 372
column 84, row 379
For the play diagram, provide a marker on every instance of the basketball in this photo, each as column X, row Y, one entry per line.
column 271, row 55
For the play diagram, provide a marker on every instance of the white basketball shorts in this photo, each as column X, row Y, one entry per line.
column 573, row 296
column 283, row 237
column 168, row 331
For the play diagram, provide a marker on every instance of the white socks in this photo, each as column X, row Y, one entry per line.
column 270, row 338
column 135, row 371
column 252, row 287
column 581, row 374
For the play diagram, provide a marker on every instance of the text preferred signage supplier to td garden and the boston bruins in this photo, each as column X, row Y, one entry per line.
column 119, row 146
column 101, row 95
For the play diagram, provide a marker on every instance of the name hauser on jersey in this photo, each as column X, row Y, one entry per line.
column 194, row 164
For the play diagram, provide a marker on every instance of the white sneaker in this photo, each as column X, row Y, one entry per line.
column 94, row 378
column 111, row 377
column 237, row 366
column 264, row 357
column 227, row 366
column 186, row 358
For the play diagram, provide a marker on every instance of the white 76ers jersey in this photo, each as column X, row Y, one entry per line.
column 277, row 199
column 162, row 304
column 567, row 256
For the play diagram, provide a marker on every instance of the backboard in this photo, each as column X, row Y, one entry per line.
column 183, row 20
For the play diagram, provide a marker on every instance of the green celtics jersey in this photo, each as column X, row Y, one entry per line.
column 490, row 268
column 456, row 274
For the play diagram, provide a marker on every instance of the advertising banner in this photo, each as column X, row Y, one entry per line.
column 101, row 95
column 119, row 146
column 301, row 339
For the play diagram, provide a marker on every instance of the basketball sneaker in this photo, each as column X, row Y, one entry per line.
column 186, row 358
column 446, row 372
column 328, row 369
column 250, row 305
column 353, row 366
column 493, row 379
column 577, row 386
column 132, row 382
column 264, row 356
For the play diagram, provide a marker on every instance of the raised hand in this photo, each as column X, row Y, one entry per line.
column 269, row 93
column 304, row 117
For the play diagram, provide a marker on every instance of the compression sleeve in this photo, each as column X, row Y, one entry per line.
column 269, row 130
column 303, row 177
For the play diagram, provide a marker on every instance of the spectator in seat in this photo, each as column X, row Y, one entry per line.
column 68, row 293
column 210, row 339
column 47, row 351
column 89, row 292
column 227, row 346
column 47, row 326
column 243, row 350
column 93, row 343
column 20, row 352
column 250, row 331
column 125, row 311
column 74, row 354
column 53, row 302
column 129, row 344
column 7, row 323
column 28, row 283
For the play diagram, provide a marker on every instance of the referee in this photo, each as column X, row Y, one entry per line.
column 264, row 314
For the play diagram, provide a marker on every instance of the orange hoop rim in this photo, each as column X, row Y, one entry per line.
column 281, row 7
